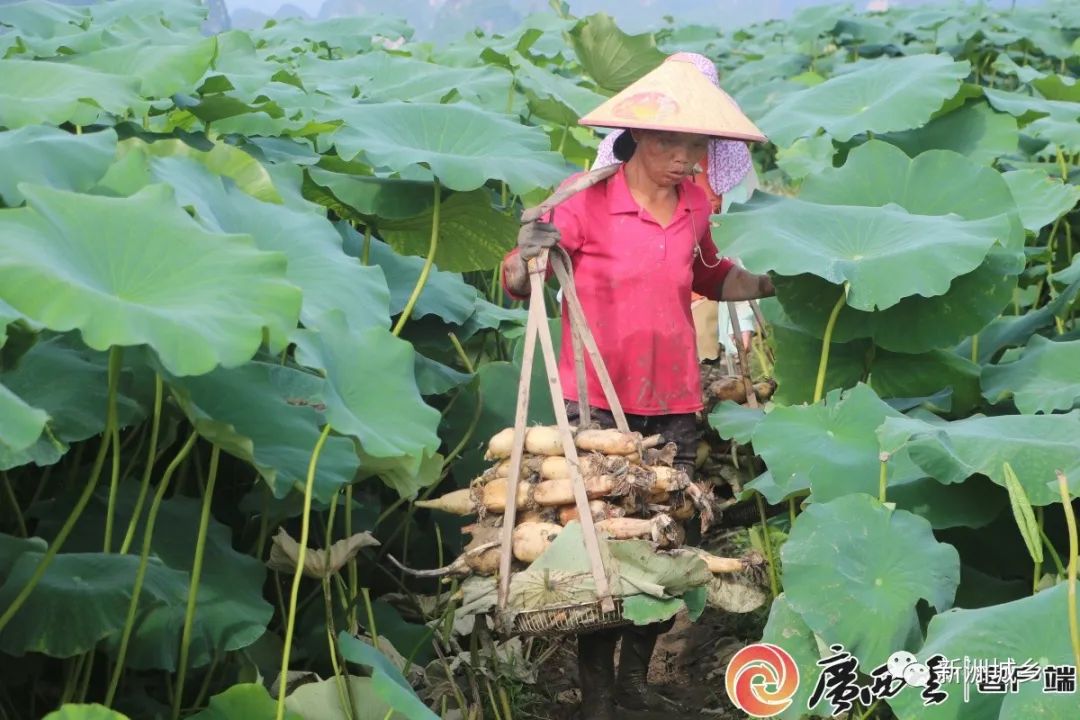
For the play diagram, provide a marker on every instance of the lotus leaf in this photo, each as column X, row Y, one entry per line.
column 464, row 146
column 553, row 97
column 1027, row 107
column 162, row 70
column 1040, row 199
column 1045, row 378
column 247, row 701
column 43, row 19
column 807, row 156
column 21, row 425
column 974, row 131
column 269, row 416
column 55, row 93
column 367, row 196
column 611, row 57
column 786, row 629
column 320, row 701
column 1034, row 445
column 44, row 155
column 887, row 95
column 72, row 711
column 735, row 421
column 873, row 562
column 371, row 391
column 387, row 681
column 199, row 299
column 1031, row 628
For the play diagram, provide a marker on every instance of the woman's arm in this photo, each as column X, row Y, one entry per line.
column 739, row 284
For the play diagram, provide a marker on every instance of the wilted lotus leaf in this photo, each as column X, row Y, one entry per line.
column 285, row 552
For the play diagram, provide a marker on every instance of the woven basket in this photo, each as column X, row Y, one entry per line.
column 568, row 618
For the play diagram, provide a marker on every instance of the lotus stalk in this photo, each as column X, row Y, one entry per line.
column 1074, row 551
column 428, row 262
column 196, row 575
column 819, row 385
column 115, row 364
column 144, row 487
column 294, row 594
column 144, row 558
column 774, row 583
column 883, row 477
column 80, row 504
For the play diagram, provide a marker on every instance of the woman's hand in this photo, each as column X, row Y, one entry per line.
column 533, row 238
column 742, row 285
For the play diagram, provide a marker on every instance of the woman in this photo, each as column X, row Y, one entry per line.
column 640, row 243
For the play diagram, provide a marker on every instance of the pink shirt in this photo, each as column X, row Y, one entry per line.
column 635, row 279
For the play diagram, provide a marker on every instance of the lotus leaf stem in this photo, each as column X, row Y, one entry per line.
column 1063, row 166
column 155, row 428
column 88, row 670
column 204, row 688
column 294, row 594
column 115, row 365
column 14, row 502
column 819, row 385
column 73, row 517
column 883, row 477
column 365, row 254
column 196, row 575
column 372, row 629
column 144, row 558
column 354, row 574
column 461, row 354
column 975, row 348
column 422, row 280
column 774, row 584
column 792, row 510
column 344, row 691
column 1070, row 520
column 1039, row 521
column 1053, row 552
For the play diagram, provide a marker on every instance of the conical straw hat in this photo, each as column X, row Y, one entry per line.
column 676, row 97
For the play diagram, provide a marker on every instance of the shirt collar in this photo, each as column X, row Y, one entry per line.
column 620, row 200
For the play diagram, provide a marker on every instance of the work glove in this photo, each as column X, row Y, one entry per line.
column 535, row 237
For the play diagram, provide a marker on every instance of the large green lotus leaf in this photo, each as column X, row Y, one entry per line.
column 238, row 66
column 1016, row 330
column 179, row 14
column 368, row 196
column 34, row 92
column 72, row 711
column 81, row 600
column 786, row 629
column 473, row 235
column 43, row 19
column 810, row 23
column 552, row 97
column 371, row 392
column 611, row 57
column 44, row 155
column 230, row 613
column 807, row 156
column 891, row 375
column 270, row 416
column 734, row 421
column 20, row 424
column 975, row 131
column 887, row 95
column 199, row 299
column 69, row 382
column 1065, row 133
column 915, row 324
column 463, row 145
column 756, row 100
column 386, row 680
column 445, row 295
column 1031, row 628
column 221, row 159
column 974, row 503
column 434, row 378
column 246, row 701
column 1057, row 87
column 330, row 279
column 1029, row 107
column 1034, row 445
column 162, row 70
column 381, row 76
column 321, row 701
column 351, row 34
column 886, row 253
column 759, row 71
column 1040, row 199
column 1045, row 378
column 855, row 570
column 832, row 448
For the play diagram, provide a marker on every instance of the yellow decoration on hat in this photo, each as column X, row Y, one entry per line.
column 678, row 98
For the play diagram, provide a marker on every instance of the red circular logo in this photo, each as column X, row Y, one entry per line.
column 761, row 680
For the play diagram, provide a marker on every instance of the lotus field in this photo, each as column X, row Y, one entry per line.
column 250, row 311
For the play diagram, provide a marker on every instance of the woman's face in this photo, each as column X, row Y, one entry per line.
column 668, row 157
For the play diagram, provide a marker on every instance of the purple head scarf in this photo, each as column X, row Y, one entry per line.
column 729, row 160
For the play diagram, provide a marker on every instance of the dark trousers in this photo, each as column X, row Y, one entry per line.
column 596, row 650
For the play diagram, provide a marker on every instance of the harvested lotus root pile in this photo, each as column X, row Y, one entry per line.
column 633, row 490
